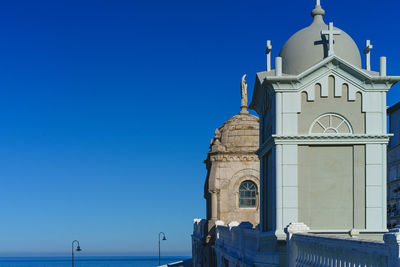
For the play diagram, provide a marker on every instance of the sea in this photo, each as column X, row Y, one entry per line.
column 86, row 261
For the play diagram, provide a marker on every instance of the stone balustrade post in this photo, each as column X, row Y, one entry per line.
column 218, row 223
column 292, row 251
column 392, row 240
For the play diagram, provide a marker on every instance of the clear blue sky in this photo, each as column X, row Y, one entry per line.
column 107, row 109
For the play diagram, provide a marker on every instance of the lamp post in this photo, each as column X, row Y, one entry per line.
column 78, row 248
column 159, row 245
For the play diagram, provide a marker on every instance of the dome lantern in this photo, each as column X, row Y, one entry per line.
column 318, row 13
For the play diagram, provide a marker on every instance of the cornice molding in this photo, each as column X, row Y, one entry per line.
column 321, row 139
column 231, row 157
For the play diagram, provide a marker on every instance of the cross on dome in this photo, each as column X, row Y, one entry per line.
column 318, row 3
column 331, row 33
column 367, row 52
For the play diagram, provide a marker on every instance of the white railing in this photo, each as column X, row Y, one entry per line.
column 245, row 246
column 237, row 239
column 199, row 228
column 305, row 249
column 327, row 251
column 240, row 244
column 198, row 236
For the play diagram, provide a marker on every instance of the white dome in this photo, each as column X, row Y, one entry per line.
column 308, row 47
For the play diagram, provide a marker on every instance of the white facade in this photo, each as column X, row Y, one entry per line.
column 285, row 139
column 323, row 135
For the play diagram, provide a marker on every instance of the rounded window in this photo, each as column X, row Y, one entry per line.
column 331, row 124
column 247, row 194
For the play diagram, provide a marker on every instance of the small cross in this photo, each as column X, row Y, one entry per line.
column 367, row 52
column 268, row 53
column 318, row 2
column 331, row 33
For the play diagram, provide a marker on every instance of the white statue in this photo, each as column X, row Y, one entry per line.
column 243, row 87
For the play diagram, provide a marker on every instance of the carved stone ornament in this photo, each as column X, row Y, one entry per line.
column 234, row 157
column 243, row 90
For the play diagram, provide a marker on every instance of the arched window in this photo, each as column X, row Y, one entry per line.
column 331, row 124
column 247, row 194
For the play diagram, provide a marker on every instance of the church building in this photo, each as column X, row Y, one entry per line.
column 323, row 134
column 322, row 151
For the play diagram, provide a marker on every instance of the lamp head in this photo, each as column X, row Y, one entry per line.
column 164, row 238
column 78, row 248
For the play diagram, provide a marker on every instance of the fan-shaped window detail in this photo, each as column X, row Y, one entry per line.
column 247, row 194
column 331, row 124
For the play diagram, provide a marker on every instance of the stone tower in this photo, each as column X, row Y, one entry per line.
column 232, row 184
column 230, row 163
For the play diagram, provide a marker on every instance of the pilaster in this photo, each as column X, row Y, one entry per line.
column 375, row 184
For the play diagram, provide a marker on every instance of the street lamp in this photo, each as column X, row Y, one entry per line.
column 78, row 248
column 159, row 254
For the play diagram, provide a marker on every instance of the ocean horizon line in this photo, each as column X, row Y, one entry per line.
column 90, row 261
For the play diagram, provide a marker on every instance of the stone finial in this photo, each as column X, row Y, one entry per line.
column 367, row 52
column 294, row 228
column 354, row 233
column 331, row 33
column 233, row 224
column 219, row 223
column 216, row 144
column 217, row 138
column 278, row 66
column 196, row 221
column 382, row 66
column 243, row 90
column 268, row 53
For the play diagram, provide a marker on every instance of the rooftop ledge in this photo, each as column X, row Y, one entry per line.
column 333, row 138
column 326, row 139
column 370, row 75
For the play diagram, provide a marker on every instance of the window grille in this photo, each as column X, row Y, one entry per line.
column 247, row 194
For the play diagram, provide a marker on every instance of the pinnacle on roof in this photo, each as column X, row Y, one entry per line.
column 318, row 13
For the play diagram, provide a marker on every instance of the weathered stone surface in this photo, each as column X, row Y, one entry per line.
column 231, row 161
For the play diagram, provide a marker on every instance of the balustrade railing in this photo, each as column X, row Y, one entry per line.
column 306, row 250
column 199, row 227
column 238, row 240
column 327, row 251
column 241, row 244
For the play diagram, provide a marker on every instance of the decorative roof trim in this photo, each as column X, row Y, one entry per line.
column 331, row 139
column 322, row 139
column 320, row 64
